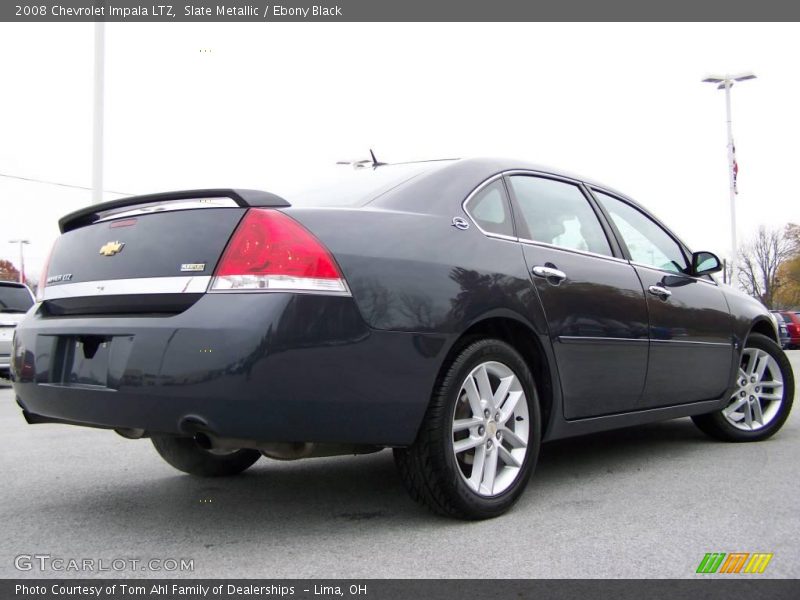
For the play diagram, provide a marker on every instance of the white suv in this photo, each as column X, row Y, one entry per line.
column 15, row 300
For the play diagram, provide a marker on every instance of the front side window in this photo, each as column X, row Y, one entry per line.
column 647, row 241
column 489, row 209
column 558, row 213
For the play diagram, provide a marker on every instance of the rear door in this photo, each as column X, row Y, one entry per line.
column 691, row 335
column 592, row 298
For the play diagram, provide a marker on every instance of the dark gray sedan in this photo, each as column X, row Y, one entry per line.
column 460, row 311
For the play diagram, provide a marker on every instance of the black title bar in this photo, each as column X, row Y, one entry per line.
column 707, row 588
column 397, row 10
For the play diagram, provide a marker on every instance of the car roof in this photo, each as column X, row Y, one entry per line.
column 460, row 176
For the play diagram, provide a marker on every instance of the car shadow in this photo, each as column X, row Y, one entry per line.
column 340, row 494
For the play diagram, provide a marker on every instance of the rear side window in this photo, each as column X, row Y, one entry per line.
column 557, row 213
column 490, row 210
column 14, row 298
column 647, row 241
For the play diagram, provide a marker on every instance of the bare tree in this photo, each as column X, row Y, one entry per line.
column 760, row 259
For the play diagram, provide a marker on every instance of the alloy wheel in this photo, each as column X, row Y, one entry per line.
column 491, row 428
column 759, row 393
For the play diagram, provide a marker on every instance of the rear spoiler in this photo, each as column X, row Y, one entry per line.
column 244, row 198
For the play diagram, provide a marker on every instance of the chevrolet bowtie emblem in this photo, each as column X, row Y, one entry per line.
column 112, row 248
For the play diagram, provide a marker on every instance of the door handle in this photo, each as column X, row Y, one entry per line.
column 659, row 291
column 549, row 273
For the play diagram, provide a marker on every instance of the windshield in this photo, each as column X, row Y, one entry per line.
column 346, row 186
column 14, row 298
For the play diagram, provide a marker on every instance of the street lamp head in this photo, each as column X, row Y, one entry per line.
column 727, row 80
column 18, row 242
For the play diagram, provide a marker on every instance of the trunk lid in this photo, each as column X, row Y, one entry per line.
column 144, row 254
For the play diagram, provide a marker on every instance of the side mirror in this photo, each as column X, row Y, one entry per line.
column 705, row 263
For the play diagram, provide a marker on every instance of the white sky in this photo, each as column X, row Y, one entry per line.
column 270, row 102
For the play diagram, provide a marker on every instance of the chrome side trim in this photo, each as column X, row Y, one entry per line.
column 693, row 343
column 227, row 284
column 167, row 206
column 581, row 339
column 125, row 287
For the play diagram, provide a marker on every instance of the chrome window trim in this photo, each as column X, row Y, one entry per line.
column 544, row 174
column 168, row 206
column 572, row 250
column 674, row 273
column 590, row 187
column 477, row 190
column 636, row 206
column 500, row 236
column 125, row 287
column 530, row 242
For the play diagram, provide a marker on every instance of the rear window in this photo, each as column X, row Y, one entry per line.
column 345, row 186
column 14, row 298
column 779, row 317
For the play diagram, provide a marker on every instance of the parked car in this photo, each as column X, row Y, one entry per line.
column 15, row 300
column 460, row 312
column 792, row 320
column 783, row 332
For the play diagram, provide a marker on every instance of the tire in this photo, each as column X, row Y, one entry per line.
column 761, row 395
column 186, row 455
column 430, row 469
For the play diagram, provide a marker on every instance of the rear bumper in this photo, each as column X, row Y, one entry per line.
column 267, row 367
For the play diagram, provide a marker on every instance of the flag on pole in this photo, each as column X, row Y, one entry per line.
column 735, row 171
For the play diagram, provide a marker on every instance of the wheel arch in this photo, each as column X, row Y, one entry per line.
column 765, row 327
column 519, row 334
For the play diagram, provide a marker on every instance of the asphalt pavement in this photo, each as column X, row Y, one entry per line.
column 642, row 502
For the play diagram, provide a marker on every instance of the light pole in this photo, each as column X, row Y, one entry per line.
column 98, row 111
column 21, row 258
column 725, row 82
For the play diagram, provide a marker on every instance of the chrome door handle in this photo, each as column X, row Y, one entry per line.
column 659, row 291
column 549, row 273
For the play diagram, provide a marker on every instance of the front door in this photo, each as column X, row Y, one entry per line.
column 691, row 341
column 593, row 300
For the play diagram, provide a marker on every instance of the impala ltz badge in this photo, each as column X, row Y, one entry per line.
column 112, row 248
column 193, row 267
column 58, row 278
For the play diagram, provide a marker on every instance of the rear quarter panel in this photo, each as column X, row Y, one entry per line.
column 417, row 273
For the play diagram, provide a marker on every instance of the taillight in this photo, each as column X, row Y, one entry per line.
column 270, row 251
